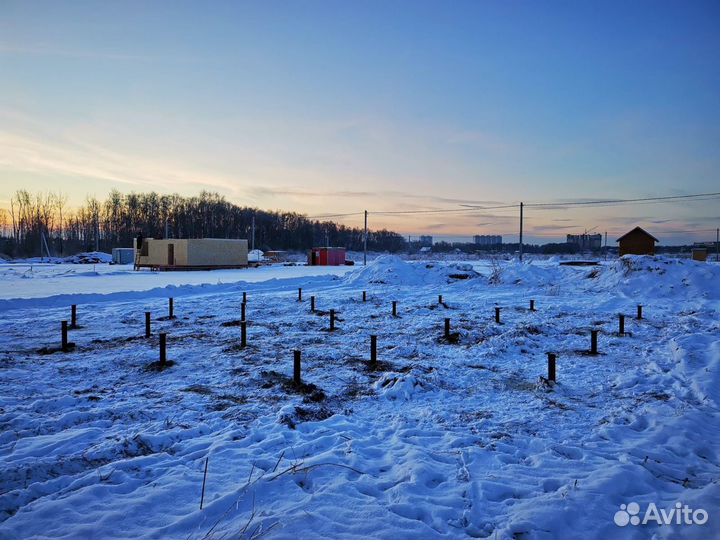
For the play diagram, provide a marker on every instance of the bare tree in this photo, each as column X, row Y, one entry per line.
column 115, row 221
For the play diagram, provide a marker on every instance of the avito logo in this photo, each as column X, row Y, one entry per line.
column 629, row 514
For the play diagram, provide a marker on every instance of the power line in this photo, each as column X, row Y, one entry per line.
column 633, row 205
column 443, row 210
column 472, row 208
column 406, row 212
column 609, row 202
column 469, row 210
column 616, row 233
column 336, row 215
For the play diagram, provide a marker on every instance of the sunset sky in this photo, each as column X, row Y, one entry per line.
column 341, row 106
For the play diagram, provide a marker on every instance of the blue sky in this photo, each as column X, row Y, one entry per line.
column 327, row 107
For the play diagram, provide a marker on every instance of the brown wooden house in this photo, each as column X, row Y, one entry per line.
column 637, row 242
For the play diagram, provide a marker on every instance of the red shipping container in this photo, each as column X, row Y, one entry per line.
column 326, row 256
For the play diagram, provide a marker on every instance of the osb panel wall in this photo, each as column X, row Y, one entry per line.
column 158, row 252
column 217, row 251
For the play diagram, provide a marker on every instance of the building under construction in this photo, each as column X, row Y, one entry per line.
column 585, row 241
column 192, row 254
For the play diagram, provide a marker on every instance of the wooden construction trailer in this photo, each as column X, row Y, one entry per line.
column 192, row 254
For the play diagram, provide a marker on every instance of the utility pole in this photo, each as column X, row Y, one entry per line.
column 253, row 234
column 365, row 242
column 717, row 244
column 521, row 231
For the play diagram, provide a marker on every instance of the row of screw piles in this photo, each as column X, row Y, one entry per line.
column 373, row 339
column 243, row 321
column 312, row 309
column 163, row 335
column 552, row 357
column 297, row 353
column 171, row 315
column 497, row 316
column 64, row 342
column 297, row 375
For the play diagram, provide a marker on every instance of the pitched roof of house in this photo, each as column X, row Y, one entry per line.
column 639, row 229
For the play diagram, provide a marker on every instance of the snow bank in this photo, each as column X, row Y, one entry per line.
column 91, row 257
column 392, row 270
column 661, row 277
column 637, row 276
column 535, row 275
column 64, row 284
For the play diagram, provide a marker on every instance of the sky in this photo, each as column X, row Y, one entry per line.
column 339, row 107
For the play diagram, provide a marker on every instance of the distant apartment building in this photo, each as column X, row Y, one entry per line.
column 585, row 241
column 426, row 241
column 487, row 239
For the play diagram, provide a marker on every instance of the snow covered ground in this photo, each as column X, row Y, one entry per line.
column 52, row 284
column 444, row 439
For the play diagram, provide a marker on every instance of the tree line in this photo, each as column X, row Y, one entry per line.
column 36, row 220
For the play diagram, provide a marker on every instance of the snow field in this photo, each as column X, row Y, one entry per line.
column 46, row 285
column 448, row 441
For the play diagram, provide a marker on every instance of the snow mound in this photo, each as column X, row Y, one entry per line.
column 393, row 386
column 662, row 277
column 87, row 257
column 641, row 277
column 392, row 270
column 91, row 257
column 516, row 273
